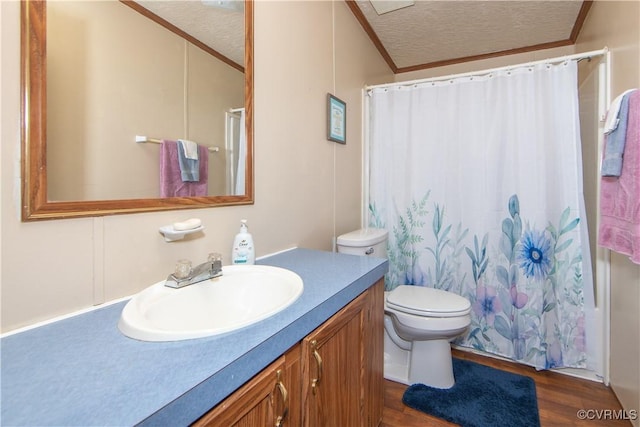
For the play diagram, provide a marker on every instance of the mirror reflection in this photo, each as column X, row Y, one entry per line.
column 114, row 75
column 131, row 108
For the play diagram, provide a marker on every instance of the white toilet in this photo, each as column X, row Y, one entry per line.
column 419, row 322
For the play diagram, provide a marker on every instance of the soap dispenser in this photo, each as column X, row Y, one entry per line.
column 243, row 252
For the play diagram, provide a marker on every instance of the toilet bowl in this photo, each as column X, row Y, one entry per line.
column 419, row 322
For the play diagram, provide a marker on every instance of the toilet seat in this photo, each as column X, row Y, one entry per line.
column 427, row 302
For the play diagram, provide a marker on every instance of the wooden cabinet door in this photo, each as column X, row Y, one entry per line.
column 374, row 352
column 263, row 401
column 293, row 383
column 333, row 369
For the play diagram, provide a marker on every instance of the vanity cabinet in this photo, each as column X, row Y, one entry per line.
column 342, row 364
column 271, row 398
column 334, row 377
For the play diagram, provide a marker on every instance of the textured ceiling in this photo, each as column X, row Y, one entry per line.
column 219, row 28
column 427, row 34
column 433, row 33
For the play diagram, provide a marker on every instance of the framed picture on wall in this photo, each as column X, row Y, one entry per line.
column 336, row 120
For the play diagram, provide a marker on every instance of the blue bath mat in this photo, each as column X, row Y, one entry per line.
column 481, row 397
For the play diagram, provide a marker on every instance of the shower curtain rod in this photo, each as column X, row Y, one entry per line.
column 577, row 56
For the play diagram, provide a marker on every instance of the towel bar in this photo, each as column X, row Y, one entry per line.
column 140, row 138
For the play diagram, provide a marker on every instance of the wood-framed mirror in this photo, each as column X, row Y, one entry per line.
column 38, row 155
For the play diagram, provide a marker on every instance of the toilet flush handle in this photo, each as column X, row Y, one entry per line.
column 369, row 251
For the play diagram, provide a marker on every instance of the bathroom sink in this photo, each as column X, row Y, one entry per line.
column 243, row 295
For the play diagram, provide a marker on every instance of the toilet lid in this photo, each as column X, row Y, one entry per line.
column 427, row 301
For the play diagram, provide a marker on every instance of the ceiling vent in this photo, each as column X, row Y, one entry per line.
column 386, row 6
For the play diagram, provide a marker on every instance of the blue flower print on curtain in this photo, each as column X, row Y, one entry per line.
column 541, row 312
column 487, row 304
column 535, row 254
column 524, row 282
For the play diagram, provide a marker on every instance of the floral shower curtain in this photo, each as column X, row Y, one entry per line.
column 478, row 181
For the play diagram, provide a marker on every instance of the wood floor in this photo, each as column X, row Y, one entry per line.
column 560, row 397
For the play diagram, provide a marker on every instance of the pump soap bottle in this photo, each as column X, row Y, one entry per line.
column 243, row 252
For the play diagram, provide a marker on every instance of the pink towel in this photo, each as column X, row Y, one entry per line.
column 171, row 184
column 620, row 197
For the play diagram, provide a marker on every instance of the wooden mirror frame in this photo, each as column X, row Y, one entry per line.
column 35, row 203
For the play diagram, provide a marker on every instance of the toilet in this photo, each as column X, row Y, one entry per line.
column 419, row 322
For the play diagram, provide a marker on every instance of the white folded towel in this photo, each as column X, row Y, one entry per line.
column 611, row 122
column 190, row 149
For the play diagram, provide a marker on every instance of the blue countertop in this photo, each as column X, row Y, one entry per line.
column 82, row 371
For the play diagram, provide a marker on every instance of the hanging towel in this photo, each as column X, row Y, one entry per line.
column 614, row 142
column 612, row 120
column 171, row 183
column 619, row 228
column 189, row 168
column 190, row 149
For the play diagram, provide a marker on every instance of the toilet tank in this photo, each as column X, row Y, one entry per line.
column 366, row 241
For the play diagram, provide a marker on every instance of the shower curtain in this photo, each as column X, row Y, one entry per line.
column 478, row 181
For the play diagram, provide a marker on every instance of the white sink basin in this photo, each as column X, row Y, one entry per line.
column 243, row 295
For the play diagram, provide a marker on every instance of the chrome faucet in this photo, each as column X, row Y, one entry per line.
column 184, row 275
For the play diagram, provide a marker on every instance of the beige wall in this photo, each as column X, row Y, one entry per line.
column 307, row 189
column 112, row 74
column 615, row 24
